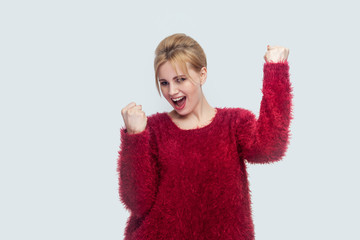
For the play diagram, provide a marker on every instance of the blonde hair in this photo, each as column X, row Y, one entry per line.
column 179, row 49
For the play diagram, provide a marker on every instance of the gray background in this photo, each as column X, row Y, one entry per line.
column 67, row 68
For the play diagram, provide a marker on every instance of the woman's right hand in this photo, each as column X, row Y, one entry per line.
column 134, row 118
column 275, row 54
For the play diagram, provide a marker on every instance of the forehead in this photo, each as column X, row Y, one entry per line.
column 167, row 70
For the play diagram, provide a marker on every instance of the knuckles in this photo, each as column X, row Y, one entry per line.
column 276, row 54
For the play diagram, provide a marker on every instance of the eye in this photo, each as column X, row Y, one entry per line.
column 163, row 83
column 182, row 79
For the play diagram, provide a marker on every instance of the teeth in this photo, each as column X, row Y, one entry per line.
column 177, row 99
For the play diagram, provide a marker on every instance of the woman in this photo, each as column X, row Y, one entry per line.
column 182, row 175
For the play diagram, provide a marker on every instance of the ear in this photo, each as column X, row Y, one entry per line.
column 203, row 75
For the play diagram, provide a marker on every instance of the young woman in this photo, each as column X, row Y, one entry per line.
column 182, row 175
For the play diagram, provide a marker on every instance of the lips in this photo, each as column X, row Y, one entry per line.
column 180, row 104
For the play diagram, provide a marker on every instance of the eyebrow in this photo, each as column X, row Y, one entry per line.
column 174, row 78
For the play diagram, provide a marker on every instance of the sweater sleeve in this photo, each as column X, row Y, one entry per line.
column 265, row 139
column 137, row 169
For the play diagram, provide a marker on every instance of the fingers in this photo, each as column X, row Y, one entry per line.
column 137, row 107
column 131, row 105
column 276, row 54
column 273, row 47
column 277, row 47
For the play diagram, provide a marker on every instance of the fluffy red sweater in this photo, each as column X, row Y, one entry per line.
column 192, row 184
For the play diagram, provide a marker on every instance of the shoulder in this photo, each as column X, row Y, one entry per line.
column 237, row 118
column 236, row 113
column 155, row 119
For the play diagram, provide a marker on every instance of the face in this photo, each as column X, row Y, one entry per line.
column 174, row 86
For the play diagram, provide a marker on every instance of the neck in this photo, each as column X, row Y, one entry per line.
column 201, row 113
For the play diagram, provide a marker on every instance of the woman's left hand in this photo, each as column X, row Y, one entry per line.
column 276, row 54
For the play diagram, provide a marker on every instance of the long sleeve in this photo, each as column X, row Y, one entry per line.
column 265, row 139
column 138, row 173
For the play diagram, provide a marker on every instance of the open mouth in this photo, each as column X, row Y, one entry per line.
column 180, row 102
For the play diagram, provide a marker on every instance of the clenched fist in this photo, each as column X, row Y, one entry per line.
column 134, row 118
column 276, row 54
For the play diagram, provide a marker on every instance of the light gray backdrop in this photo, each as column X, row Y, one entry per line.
column 67, row 68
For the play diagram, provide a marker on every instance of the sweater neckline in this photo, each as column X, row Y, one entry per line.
column 198, row 129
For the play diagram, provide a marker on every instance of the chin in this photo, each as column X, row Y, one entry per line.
column 182, row 112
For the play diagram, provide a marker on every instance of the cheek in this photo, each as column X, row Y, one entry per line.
column 163, row 91
column 190, row 88
column 168, row 99
column 194, row 91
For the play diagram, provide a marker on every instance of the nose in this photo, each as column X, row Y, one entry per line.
column 172, row 89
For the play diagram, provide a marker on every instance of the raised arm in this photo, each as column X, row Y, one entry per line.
column 138, row 173
column 265, row 139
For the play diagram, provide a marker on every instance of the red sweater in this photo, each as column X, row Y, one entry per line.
column 192, row 184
